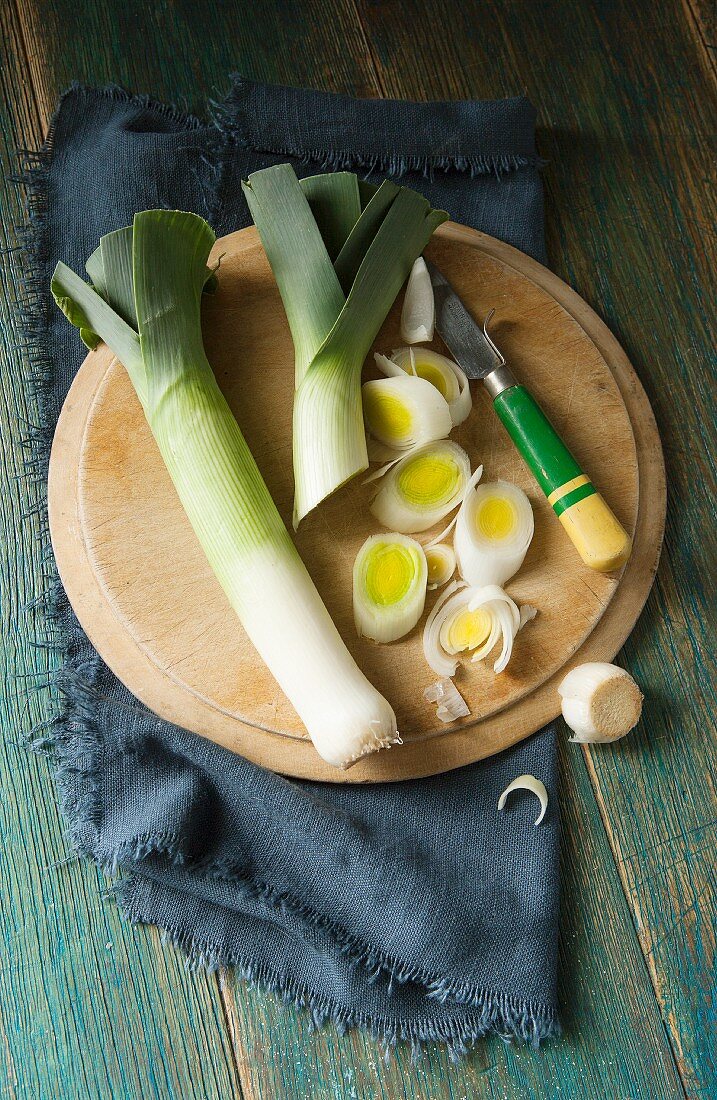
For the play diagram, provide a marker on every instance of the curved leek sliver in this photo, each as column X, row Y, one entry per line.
column 422, row 488
column 494, row 529
column 527, row 783
column 419, row 307
column 389, row 587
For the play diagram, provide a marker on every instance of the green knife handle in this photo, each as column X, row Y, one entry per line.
column 599, row 538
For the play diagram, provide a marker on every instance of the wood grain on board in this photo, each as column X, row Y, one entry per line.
column 626, row 99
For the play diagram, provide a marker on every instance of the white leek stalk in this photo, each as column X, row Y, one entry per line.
column 389, row 587
column 335, row 302
column 493, row 532
column 600, row 702
column 219, row 484
column 406, row 412
column 448, row 378
column 419, row 308
column 422, row 488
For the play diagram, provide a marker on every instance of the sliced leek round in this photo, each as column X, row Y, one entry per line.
column 404, row 412
column 441, row 561
column 494, row 529
column 422, row 488
column 443, row 373
column 472, row 621
column 389, row 587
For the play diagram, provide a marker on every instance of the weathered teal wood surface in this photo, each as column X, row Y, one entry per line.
column 627, row 99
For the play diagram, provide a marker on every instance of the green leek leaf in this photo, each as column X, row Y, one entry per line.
column 336, row 205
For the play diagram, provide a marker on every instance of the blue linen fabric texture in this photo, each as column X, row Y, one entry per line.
column 412, row 909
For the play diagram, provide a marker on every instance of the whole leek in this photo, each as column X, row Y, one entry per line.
column 151, row 277
column 339, row 268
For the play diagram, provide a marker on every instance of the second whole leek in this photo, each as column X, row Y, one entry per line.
column 159, row 341
column 339, row 263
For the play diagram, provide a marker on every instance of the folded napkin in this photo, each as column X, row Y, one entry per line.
column 412, row 909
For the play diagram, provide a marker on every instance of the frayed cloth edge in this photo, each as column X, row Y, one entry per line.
column 498, row 1014
column 524, row 1019
column 230, row 117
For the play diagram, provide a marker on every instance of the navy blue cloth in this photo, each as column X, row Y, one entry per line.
column 413, row 909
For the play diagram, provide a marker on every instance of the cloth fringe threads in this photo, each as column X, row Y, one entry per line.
column 72, row 737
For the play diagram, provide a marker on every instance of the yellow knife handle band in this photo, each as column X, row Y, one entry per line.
column 574, row 483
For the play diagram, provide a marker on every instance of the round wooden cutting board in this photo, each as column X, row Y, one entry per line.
column 141, row 588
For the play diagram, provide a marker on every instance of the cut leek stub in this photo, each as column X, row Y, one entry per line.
column 600, row 702
column 418, row 313
column 450, row 704
column 422, row 488
column 493, row 532
column 404, row 412
column 389, row 591
column 472, row 621
column 441, row 561
column 443, row 373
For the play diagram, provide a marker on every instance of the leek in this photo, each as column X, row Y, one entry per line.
column 335, row 306
column 159, row 341
column 423, row 487
column 494, row 529
column 389, row 587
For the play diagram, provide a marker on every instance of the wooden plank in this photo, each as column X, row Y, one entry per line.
column 88, row 1006
column 630, row 224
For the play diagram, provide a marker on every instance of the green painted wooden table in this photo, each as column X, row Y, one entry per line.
column 627, row 97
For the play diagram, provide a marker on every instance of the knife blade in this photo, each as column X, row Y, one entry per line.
column 462, row 335
column 596, row 533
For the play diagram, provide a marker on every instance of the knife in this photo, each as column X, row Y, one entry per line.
column 597, row 535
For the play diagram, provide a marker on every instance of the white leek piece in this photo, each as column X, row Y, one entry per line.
column 441, row 561
column 389, row 587
column 600, row 702
column 337, row 286
column 419, row 308
column 219, row 484
column 527, row 783
column 494, row 529
column 470, row 620
column 402, row 413
column 450, row 704
column 443, row 373
column 422, row 488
